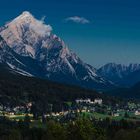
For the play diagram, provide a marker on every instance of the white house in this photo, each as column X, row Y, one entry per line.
column 98, row 101
column 116, row 114
column 137, row 112
column 83, row 101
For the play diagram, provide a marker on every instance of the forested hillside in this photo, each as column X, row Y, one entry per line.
column 15, row 89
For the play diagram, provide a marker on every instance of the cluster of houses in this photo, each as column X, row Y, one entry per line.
column 88, row 101
column 80, row 106
column 17, row 109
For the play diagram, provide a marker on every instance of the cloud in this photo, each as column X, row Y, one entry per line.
column 77, row 19
column 40, row 27
column 43, row 19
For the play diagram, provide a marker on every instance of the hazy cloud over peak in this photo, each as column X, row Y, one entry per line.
column 40, row 27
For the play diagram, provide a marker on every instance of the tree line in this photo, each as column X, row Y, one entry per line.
column 79, row 129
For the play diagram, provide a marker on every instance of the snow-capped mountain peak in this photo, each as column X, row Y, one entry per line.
column 25, row 34
column 24, row 16
column 27, row 21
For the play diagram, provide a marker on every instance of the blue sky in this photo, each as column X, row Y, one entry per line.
column 99, row 31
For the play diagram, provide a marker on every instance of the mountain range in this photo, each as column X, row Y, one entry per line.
column 29, row 47
column 121, row 75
